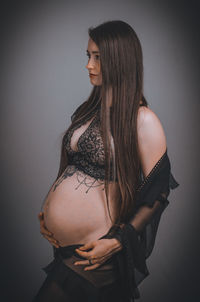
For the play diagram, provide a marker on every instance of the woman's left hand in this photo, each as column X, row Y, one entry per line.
column 100, row 251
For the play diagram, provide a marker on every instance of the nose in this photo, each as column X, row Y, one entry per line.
column 90, row 64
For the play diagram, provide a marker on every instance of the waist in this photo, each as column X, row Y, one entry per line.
column 69, row 256
column 69, row 250
column 63, row 264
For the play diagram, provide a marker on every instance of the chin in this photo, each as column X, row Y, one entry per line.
column 95, row 84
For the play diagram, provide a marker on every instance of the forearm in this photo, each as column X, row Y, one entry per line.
column 143, row 216
column 139, row 221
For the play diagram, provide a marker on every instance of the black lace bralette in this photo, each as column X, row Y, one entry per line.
column 90, row 155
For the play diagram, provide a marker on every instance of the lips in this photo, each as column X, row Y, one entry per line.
column 93, row 74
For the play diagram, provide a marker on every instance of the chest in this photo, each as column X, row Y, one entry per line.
column 85, row 141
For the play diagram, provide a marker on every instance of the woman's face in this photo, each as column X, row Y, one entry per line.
column 93, row 64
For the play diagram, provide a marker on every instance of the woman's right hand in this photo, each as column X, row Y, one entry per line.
column 45, row 232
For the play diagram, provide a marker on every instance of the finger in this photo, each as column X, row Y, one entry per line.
column 56, row 245
column 44, row 228
column 41, row 215
column 91, row 267
column 51, row 240
column 102, row 259
column 54, row 242
column 45, row 231
column 47, row 237
column 42, row 223
column 84, row 262
column 87, row 246
column 84, row 254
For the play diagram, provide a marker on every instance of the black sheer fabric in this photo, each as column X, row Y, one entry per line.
column 66, row 282
column 138, row 235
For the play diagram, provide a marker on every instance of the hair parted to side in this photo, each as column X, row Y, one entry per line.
column 121, row 62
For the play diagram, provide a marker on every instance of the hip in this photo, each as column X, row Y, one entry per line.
column 74, row 284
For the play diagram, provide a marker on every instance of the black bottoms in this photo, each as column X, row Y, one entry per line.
column 66, row 282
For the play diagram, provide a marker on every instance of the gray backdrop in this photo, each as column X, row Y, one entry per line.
column 43, row 81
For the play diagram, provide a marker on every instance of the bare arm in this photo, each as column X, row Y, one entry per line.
column 152, row 145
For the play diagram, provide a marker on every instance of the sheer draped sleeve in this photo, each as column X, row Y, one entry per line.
column 138, row 235
column 152, row 199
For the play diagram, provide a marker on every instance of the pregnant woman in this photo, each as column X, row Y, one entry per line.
column 102, row 212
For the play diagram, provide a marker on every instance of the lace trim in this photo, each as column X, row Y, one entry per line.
column 81, row 164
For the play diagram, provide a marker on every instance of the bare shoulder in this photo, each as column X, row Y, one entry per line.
column 151, row 138
column 147, row 115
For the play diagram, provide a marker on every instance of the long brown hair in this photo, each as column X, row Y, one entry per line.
column 121, row 62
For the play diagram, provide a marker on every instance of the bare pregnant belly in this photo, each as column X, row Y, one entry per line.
column 75, row 210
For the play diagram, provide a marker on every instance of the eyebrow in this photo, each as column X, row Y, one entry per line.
column 92, row 51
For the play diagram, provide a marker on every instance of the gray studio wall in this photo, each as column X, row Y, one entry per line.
column 44, row 79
